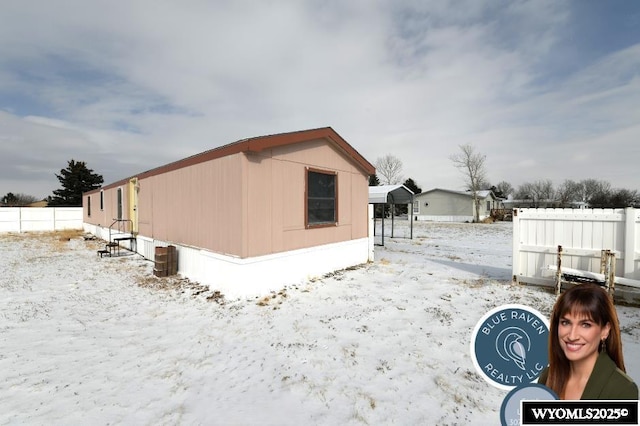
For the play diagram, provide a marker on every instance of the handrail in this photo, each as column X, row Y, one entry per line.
column 121, row 226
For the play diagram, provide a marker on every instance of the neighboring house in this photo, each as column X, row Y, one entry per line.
column 250, row 216
column 443, row 205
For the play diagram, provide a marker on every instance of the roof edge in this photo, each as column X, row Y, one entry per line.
column 255, row 144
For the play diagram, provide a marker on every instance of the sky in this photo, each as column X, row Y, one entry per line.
column 543, row 89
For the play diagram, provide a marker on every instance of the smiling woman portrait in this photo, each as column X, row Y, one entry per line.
column 585, row 348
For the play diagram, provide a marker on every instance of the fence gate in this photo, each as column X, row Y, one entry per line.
column 583, row 234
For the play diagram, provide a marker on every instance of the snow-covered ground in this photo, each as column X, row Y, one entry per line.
column 85, row 340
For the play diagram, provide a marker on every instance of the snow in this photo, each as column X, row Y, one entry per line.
column 90, row 340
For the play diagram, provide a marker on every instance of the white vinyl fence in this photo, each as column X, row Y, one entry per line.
column 582, row 233
column 27, row 219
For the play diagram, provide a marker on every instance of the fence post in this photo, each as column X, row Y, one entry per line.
column 559, row 271
column 516, row 243
column 612, row 273
column 629, row 241
column 372, row 227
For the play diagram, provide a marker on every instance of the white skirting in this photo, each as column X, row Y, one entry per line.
column 235, row 277
column 444, row 218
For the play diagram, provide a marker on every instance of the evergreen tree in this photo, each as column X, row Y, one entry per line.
column 374, row 181
column 75, row 180
column 10, row 199
column 413, row 186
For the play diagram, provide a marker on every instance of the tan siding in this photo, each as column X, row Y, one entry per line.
column 315, row 153
column 106, row 216
column 145, row 208
column 199, row 205
column 246, row 204
column 344, row 199
column 287, row 167
column 259, row 201
column 293, row 192
column 278, row 181
column 359, row 206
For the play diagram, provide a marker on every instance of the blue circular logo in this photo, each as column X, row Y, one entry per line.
column 509, row 345
column 510, row 408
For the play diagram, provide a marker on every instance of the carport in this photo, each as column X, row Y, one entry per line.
column 391, row 195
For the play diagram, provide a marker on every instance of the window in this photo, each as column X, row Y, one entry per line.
column 101, row 200
column 416, row 207
column 322, row 205
column 488, row 206
column 89, row 206
column 119, row 203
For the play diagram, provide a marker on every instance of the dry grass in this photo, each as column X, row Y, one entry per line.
column 69, row 234
column 471, row 283
column 180, row 285
column 274, row 298
column 58, row 240
column 11, row 236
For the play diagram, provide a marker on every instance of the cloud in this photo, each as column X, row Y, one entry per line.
column 127, row 90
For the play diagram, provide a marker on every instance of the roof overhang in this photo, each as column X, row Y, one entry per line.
column 390, row 194
column 258, row 144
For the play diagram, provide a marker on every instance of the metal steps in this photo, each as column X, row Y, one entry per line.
column 117, row 235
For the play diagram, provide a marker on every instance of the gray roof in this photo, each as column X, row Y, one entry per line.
column 481, row 194
column 392, row 194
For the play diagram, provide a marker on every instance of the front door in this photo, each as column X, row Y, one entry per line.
column 133, row 204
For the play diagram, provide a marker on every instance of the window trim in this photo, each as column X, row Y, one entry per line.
column 306, row 199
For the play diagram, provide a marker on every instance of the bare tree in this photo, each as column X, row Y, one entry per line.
column 504, row 188
column 568, row 192
column 543, row 190
column 472, row 165
column 389, row 168
column 621, row 198
column 524, row 192
column 538, row 191
column 595, row 191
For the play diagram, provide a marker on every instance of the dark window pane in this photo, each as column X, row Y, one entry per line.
column 321, row 211
column 321, row 185
column 321, row 198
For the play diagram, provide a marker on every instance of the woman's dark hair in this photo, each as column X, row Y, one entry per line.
column 582, row 300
